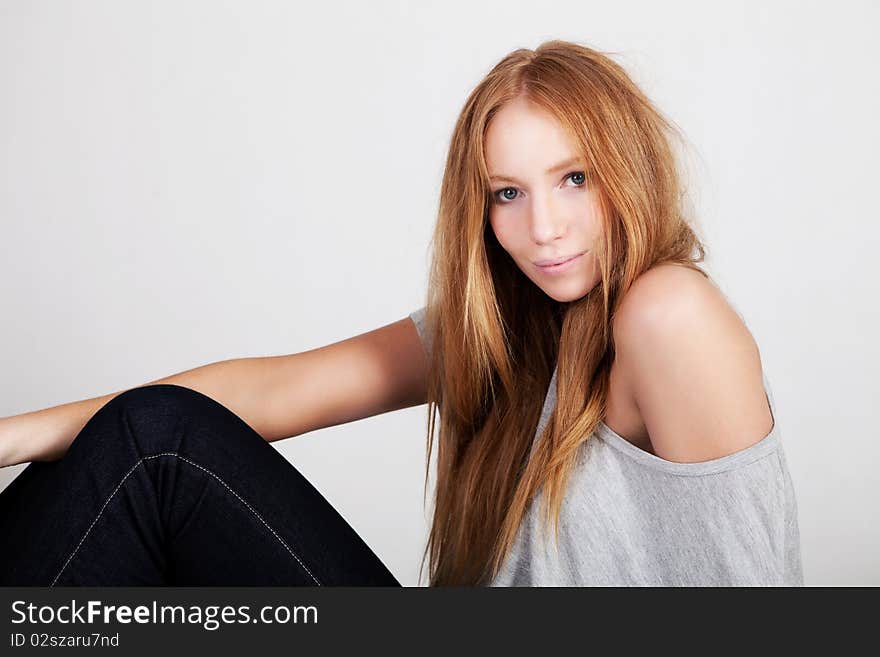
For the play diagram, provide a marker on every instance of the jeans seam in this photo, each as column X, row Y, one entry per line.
column 183, row 458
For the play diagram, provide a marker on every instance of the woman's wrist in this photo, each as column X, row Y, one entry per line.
column 7, row 436
column 43, row 435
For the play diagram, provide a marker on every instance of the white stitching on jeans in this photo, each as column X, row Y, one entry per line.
column 183, row 458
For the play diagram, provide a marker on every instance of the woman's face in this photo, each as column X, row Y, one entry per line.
column 541, row 207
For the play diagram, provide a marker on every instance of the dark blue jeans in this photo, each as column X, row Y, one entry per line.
column 166, row 486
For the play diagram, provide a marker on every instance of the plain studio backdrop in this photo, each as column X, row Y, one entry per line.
column 188, row 182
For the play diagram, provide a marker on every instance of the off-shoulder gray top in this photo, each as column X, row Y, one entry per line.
column 630, row 518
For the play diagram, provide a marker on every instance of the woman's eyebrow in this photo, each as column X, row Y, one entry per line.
column 553, row 169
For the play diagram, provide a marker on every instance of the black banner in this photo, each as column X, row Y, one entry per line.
column 234, row 620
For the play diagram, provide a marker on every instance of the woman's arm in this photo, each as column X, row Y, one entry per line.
column 279, row 396
column 692, row 367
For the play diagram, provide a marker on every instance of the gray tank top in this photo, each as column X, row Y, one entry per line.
column 630, row 518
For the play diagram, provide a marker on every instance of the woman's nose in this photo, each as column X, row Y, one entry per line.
column 546, row 222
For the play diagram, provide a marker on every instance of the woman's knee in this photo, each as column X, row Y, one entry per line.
column 164, row 397
column 161, row 417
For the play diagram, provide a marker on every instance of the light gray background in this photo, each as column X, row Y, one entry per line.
column 186, row 182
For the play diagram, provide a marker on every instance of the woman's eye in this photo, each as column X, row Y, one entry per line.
column 581, row 177
column 501, row 194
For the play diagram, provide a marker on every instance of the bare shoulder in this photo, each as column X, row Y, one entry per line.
column 662, row 292
column 690, row 366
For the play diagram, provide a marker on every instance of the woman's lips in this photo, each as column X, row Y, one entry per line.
column 566, row 264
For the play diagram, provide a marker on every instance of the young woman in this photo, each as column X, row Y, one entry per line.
column 587, row 375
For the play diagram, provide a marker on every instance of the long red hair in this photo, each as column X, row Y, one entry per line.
column 497, row 337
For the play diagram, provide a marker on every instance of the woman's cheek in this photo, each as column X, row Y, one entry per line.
column 500, row 234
